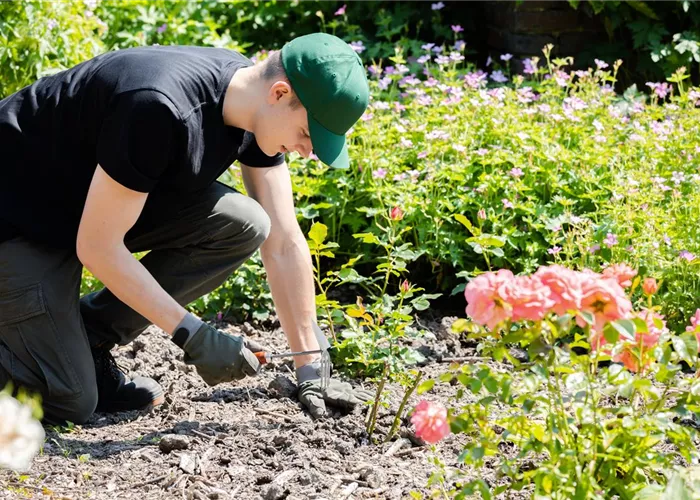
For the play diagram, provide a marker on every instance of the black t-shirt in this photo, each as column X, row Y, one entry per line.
column 150, row 116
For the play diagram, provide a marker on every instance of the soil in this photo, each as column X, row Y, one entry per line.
column 245, row 440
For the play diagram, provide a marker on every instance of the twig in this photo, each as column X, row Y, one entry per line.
column 463, row 359
column 377, row 399
column 273, row 414
column 408, row 451
column 396, row 446
column 150, row 481
column 349, row 479
column 201, row 434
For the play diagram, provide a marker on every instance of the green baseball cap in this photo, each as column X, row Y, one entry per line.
column 330, row 81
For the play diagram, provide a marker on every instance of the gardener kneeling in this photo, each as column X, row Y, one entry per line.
column 121, row 154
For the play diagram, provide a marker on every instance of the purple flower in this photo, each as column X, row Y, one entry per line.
column 358, row 46
column 581, row 73
column 422, row 155
column 488, row 61
column 437, row 49
column 507, row 203
column 474, row 80
column 482, row 151
column 594, row 248
column 459, row 45
column 423, row 59
column 389, row 70
column 610, row 240
column 384, row 83
column 516, row 172
column 375, row 70
column 427, row 46
column 554, row 250
column 506, row 57
column 457, row 28
column 437, row 6
column 456, row 56
column 406, row 143
column 530, row 66
column 660, row 89
column 601, row 64
column 51, row 24
column 685, row 254
column 442, row 60
column 498, row 76
column 380, row 173
column 341, row 10
column 162, row 28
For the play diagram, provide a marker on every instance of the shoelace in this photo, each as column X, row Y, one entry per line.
column 108, row 365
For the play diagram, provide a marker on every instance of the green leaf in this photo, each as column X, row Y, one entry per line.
column 473, row 230
column 643, row 8
column 318, row 233
column 488, row 240
column 681, row 348
column 626, row 327
column 425, row 386
column 367, row 238
column 611, row 334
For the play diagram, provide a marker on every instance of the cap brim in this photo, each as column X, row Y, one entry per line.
column 330, row 148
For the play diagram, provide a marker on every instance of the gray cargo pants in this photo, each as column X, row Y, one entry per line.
column 47, row 329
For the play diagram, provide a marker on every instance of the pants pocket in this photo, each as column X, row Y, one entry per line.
column 39, row 358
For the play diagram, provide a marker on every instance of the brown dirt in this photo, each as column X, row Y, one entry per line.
column 248, row 440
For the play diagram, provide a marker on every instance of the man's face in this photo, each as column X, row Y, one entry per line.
column 278, row 127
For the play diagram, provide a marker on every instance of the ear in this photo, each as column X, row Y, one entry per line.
column 279, row 91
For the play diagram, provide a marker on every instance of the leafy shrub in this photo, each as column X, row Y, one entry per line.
column 39, row 38
column 659, row 37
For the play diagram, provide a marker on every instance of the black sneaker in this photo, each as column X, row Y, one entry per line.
column 115, row 392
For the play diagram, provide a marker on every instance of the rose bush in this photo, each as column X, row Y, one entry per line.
column 601, row 408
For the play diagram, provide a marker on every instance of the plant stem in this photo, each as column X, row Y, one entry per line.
column 399, row 413
column 373, row 416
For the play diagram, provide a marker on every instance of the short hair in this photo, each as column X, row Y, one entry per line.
column 272, row 69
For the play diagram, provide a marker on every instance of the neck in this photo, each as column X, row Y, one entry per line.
column 241, row 99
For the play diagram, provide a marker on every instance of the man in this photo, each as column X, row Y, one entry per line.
column 120, row 154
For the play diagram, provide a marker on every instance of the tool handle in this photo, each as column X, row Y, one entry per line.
column 262, row 357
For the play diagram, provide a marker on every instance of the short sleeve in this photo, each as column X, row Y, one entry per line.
column 137, row 139
column 251, row 155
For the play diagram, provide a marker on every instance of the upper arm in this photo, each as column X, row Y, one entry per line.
column 272, row 188
column 110, row 211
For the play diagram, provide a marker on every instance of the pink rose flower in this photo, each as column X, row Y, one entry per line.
column 605, row 299
column 565, row 287
column 695, row 326
column 430, row 421
column 622, row 273
column 484, row 304
column 528, row 297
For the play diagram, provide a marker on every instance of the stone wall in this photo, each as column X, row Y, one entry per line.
column 522, row 29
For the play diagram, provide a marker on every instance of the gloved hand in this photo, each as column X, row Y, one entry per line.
column 337, row 393
column 218, row 357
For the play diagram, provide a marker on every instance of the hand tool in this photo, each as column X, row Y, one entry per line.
column 266, row 357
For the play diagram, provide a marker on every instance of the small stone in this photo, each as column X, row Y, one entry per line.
column 138, row 345
column 273, row 492
column 187, row 463
column 265, row 478
column 344, row 448
column 282, row 387
column 171, row 442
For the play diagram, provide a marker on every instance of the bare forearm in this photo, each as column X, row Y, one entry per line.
column 131, row 283
column 290, row 276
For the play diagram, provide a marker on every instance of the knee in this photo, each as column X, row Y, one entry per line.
column 77, row 410
column 245, row 221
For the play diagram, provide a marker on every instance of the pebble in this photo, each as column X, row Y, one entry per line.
column 187, row 463
column 273, row 492
column 171, row 442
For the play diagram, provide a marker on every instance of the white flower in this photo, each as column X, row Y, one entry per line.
column 21, row 435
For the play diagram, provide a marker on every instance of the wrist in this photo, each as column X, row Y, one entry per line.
column 186, row 329
column 309, row 371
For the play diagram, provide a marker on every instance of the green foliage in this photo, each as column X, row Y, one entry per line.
column 658, row 37
column 39, row 38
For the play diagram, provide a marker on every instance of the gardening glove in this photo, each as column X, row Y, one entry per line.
column 337, row 393
column 217, row 356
